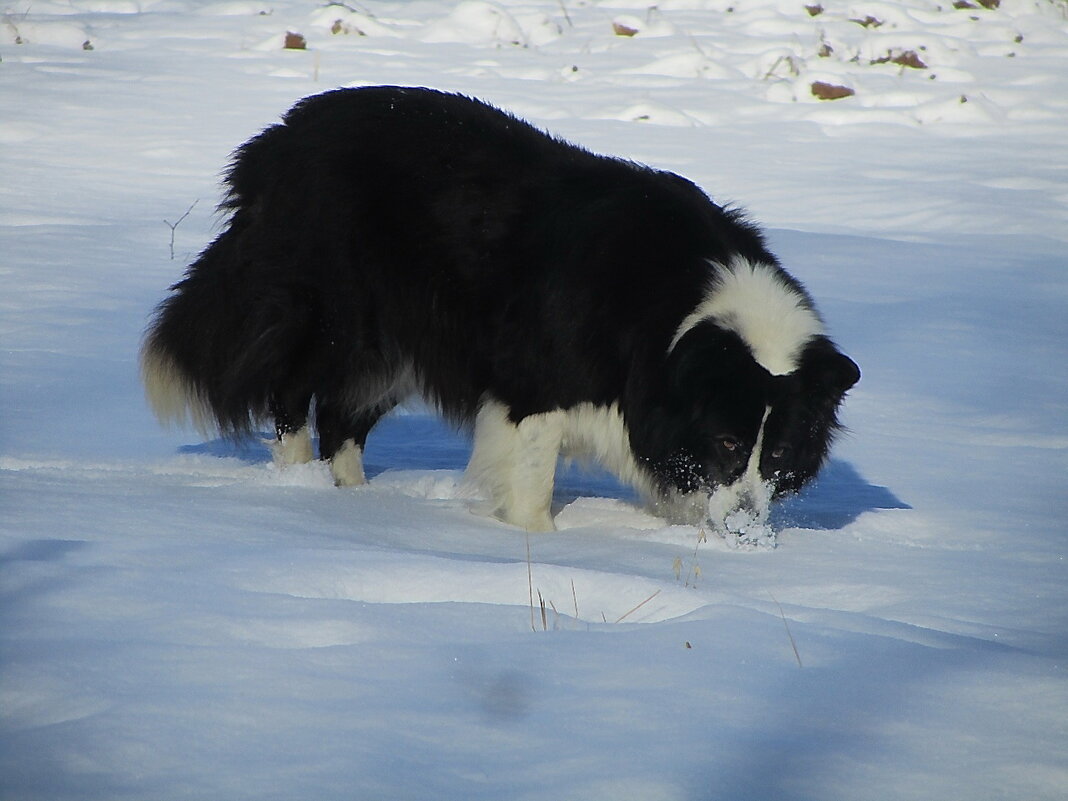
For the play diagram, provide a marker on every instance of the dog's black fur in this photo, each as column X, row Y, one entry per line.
column 389, row 240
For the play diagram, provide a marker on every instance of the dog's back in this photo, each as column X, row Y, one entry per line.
column 384, row 233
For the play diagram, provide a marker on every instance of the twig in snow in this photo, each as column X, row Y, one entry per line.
column 355, row 8
column 174, row 226
column 790, row 63
column 697, row 46
column 567, row 16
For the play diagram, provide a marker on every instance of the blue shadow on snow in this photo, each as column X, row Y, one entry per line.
column 420, row 442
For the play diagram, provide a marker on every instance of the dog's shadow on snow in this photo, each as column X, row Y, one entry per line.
column 419, row 442
column 834, row 500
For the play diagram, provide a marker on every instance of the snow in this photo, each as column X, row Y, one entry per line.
column 180, row 619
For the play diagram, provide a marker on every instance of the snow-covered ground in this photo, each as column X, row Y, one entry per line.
column 180, row 619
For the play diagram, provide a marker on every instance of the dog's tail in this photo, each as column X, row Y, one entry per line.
column 230, row 341
column 238, row 340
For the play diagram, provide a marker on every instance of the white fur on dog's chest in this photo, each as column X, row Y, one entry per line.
column 515, row 464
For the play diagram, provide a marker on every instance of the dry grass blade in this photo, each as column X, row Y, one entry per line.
column 636, row 608
column 530, row 587
column 556, row 616
column 793, row 644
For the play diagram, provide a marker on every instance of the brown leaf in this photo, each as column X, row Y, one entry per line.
column 295, row 41
column 868, row 22
column 829, row 91
column 907, row 58
column 623, row 30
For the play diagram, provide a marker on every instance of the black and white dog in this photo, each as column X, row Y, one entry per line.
column 392, row 241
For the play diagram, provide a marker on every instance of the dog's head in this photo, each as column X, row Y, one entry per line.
column 734, row 419
column 754, row 386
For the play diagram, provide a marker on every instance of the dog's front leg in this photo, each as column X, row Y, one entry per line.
column 515, row 464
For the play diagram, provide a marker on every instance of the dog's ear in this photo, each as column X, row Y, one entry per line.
column 706, row 355
column 827, row 367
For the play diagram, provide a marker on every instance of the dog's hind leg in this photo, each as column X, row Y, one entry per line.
column 343, row 436
column 292, row 443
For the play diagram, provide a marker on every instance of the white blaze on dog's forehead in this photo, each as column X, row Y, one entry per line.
column 752, row 470
column 772, row 318
column 740, row 510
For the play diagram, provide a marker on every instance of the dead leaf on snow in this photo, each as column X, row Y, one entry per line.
column 295, row 41
column 830, row 91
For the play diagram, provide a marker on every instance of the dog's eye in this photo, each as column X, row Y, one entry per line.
column 729, row 444
column 780, row 452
